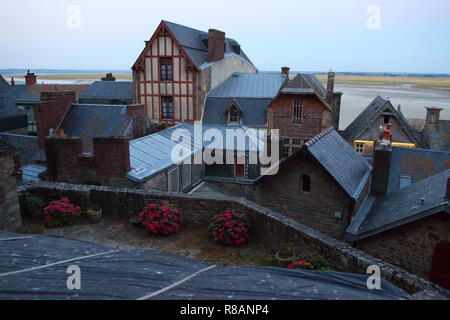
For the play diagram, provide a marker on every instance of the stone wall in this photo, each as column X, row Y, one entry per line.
column 269, row 228
column 10, row 217
column 411, row 246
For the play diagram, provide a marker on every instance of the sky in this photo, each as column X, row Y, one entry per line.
column 315, row 35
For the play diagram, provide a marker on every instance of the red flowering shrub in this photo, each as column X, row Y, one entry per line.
column 230, row 228
column 301, row 264
column 60, row 213
column 162, row 218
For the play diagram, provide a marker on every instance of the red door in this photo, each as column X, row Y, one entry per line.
column 440, row 269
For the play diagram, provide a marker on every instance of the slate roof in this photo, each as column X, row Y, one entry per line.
column 3, row 82
column 418, row 163
column 107, row 91
column 90, row 120
column 401, row 207
column 32, row 94
column 151, row 155
column 194, row 43
column 6, row 149
column 253, row 111
column 350, row 170
column 249, row 85
column 250, row 92
column 307, row 84
column 8, row 97
column 370, row 113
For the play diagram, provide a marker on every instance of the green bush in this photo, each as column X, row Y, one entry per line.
column 312, row 261
column 34, row 203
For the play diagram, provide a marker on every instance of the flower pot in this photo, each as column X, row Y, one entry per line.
column 94, row 216
column 284, row 262
column 136, row 221
column 36, row 213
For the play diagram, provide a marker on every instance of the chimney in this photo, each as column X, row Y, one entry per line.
column 111, row 156
column 62, row 157
column 138, row 113
column 432, row 121
column 216, row 45
column 109, row 77
column 30, row 78
column 285, row 71
column 382, row 155
column 330, row 87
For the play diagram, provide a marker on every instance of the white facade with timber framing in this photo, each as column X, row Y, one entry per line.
column 179, row 65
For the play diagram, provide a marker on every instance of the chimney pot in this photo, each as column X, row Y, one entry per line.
column 330, row 87
column 285, row 71
column 30, row 78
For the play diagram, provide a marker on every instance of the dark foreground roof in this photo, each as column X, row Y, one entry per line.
column 34, row 267
column 8, row 97
column 90, row 120
column 194, row 43
column 104, row 92
column 350, row 170
column 379, row 214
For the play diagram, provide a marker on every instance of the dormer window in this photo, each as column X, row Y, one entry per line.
column 234, row 114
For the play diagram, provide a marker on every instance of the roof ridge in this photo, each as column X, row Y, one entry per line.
column 319, row 137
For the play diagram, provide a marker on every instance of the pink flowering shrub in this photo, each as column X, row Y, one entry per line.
column 161, row 218
column 60, row 213
column 230, row 228
column 301, row 264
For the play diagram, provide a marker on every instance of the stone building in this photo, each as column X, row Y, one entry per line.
column 179, row 65
column 364, row 131
column 10, row 217
column 322, row 186
column 407, row 224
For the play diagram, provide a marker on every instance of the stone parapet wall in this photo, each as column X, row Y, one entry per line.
column 270, row 228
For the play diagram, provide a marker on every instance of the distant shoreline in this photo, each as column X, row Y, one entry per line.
column 427, row 83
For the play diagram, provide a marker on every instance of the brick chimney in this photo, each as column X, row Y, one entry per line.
column 382, row 155
column 109, row 77
column 62, row 157
column 330, row 87
column 50, row 111
column 432, row 120
column 30, row 78
column 216, row 45
column 138, row 113
column 285, row 71
column 111, row 156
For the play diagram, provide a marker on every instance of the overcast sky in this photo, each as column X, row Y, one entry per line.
column 313, row 35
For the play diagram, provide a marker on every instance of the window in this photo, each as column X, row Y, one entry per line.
column 306, row 183
column 386, row 119
column 360, row 147
column 297, row 118
column 296, row 149
column 166, row 69
column 233, row 115
column 31, row 120
column 405, row 180
column 285, row 152
column 167, row 108
column 296, row 142
column 286, row 141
